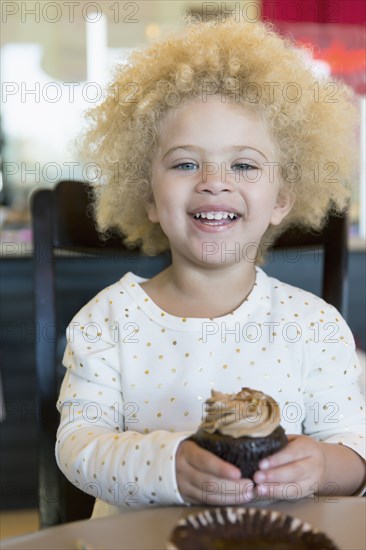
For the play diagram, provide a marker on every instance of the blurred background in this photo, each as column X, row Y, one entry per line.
column 56, row 57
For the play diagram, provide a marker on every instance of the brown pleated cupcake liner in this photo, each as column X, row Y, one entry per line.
column 245, row 528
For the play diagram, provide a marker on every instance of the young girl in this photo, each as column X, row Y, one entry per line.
column 223, row 137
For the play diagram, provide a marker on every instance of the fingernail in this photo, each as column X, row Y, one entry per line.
column 259, row 476
column 248, row 491
column 264, row 464
column 262, row 489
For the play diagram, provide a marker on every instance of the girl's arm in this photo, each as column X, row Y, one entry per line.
column 122, row 468
column 329, row 459
column 345, row 470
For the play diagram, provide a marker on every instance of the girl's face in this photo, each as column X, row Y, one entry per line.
column 214, row 182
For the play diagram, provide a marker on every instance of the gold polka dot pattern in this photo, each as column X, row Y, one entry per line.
column 135, row 387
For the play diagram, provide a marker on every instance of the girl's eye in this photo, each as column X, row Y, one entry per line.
column 244, row 166
column 186, row 166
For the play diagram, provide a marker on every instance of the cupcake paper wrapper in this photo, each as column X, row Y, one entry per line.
column 245, row 528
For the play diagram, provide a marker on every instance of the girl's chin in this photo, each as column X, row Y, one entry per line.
column 216, row 256
column 218, row 252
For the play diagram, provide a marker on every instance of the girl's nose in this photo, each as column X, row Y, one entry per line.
column 215, row 178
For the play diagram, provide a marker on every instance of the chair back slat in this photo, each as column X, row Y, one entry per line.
column 71, row 204
column 335, row 266
column 50, row 508
column 44, row 289
column 333, row 240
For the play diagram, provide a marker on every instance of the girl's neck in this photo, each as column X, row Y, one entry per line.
column 187, row 291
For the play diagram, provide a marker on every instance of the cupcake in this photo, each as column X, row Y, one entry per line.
column 241, row 428
column 245, row 528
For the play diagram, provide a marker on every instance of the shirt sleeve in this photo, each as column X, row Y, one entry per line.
column 335, row 405
column 122, row 468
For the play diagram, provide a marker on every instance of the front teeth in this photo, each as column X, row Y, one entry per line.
column 215, row 215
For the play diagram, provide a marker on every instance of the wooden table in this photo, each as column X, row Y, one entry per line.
column 343, row 519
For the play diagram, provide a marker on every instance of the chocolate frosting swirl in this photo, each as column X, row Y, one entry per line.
column 249, row 413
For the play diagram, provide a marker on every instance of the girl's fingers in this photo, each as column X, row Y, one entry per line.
column 283, row 491
column 294, row 451
column 198, row 485
column 283, row 474
column 221, row 492
column 207, row 462
column 294, row 472
column 206, row 485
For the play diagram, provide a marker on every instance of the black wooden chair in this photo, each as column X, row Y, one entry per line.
column 62, row 223
column 64, row 231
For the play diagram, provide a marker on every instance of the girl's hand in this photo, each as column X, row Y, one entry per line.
column 205, row 478
column 294, row 472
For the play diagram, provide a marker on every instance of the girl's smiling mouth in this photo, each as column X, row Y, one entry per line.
column 215, row 218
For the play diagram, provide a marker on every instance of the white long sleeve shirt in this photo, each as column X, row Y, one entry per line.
column 137, row 379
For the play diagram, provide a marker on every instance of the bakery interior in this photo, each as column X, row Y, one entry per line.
column 56, row 58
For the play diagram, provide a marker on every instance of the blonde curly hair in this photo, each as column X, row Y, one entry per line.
column 312, row 120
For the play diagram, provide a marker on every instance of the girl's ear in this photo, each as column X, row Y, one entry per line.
column 151, row 209
column 285, row 201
